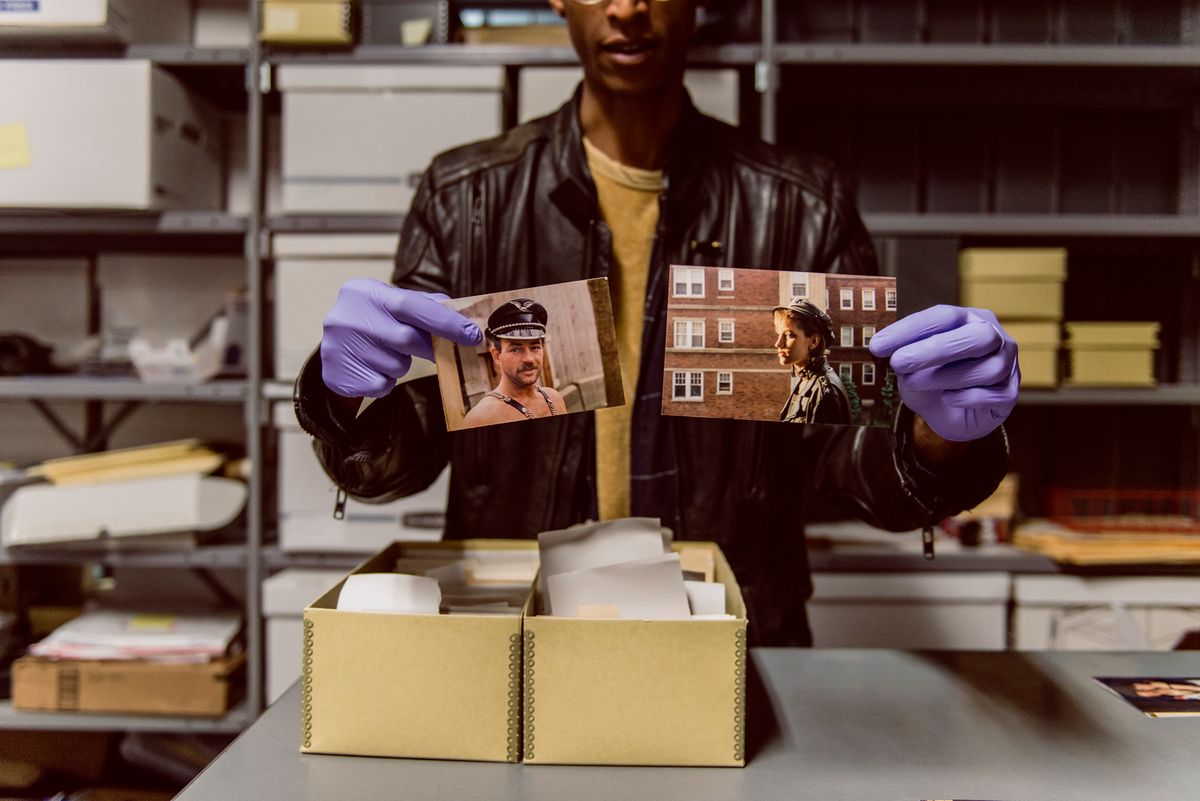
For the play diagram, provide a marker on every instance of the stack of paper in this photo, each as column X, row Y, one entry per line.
column 622, row 569
column 164, row 459
column 1137, row 545
column 480, row 583
column 129, row 635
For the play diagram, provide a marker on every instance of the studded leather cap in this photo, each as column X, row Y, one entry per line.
column 519, row 318
column 803, row 307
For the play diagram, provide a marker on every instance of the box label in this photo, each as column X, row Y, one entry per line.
column 20, row 6
column 14, row 143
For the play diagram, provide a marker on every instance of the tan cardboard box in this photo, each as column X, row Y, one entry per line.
column 1038, row 345
column 429, row 686
column 323, row 22
column 633, row 692
column 1015, row 283
column 150, row 688
column 1112, row 354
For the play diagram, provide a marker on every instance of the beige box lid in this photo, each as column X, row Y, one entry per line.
column 1033, row 334
column 1012, row 264
column 427, row 686
column 638, row 692
column 1116, row 335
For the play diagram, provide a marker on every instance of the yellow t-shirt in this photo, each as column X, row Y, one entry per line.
column 629, row 204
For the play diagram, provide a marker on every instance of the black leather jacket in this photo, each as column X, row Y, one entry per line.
column 521, row 211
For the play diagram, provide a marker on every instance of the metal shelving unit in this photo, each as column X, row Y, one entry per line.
column 1163, row 395
column 128, row 389
column 1102, row 226
column 232, row 722
column 988, row 55
column 491, row 55
column 204, row 557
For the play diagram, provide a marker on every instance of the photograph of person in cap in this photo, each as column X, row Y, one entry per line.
column 516, row 339
column 547, row 351
column 803, row 337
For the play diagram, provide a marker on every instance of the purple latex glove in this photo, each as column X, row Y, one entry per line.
column 955, row 366
column 373, row 331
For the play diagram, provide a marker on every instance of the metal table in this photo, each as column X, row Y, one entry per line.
column 825, row 724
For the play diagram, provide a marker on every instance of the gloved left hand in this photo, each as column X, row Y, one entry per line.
column 954, row 366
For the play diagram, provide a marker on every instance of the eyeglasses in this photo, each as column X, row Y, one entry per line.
column 598, row 2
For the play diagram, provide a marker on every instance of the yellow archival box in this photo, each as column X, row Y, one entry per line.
column 1015, row 283
column 316, row 22
column 638, row 692
column 433, row 686
column 1038, row 345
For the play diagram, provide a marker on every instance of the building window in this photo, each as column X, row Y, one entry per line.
column 725, row 280
column 689, row 282
column 687, row 386
column 868, row 371
column 868, row 300
column 847, row 295
column 868, row 333
column 846, row 372
column 725, row 331
column 724, row 383
column 799, row 289
column 890, row 299
column 689, row 333
column 847, row 340
column 826, row 298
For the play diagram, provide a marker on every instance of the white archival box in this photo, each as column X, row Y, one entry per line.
column 358, row 139
column 544, row 89
column 309, row 270
column 966, row 611
column 123, row 21
column 106, row 134
column 1097, row 613
column 44, row 514
column 284, row 597
column 307, row 495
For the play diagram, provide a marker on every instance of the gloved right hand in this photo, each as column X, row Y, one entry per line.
column 373, row 331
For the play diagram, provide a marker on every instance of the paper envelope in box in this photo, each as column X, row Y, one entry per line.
column 430, row 686
column 638, row 692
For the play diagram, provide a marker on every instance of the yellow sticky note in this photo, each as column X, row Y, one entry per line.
column 152, row 622
column 14, row 146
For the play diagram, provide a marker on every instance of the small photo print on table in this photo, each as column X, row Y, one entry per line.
column 1156, row 696
column 546, row 351
column 751, row 344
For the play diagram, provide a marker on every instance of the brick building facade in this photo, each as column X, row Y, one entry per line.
column 720, row 356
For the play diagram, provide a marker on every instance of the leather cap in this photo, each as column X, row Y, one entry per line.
column 519, row 318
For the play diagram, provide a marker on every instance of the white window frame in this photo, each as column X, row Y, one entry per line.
column 687, row 379
column 725, row 279
column 868, row 299
column 802, row 286
column 689, row 333
column 868, row 374
column 847, row 299
column 868, row 333
column 846, row 338
column 691, row 278
column 889, row 302
column 725, row 377
column 846, row 371
column 721, row 325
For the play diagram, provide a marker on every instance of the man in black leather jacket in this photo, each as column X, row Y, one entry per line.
column 521, row 211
